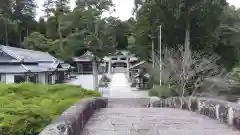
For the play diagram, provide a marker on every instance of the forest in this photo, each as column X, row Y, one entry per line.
column 214, row 27
column 60, row 31
column 206, row 26
column 209, row 27
column 192, row 31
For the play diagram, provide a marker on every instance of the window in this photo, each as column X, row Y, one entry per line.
column 87, row 67
column 19, row 78
column 123, row 58
column 49, row 78
column 33, row 78
column 3, row 78
column 135, row 70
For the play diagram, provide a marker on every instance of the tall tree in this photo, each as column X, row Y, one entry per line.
column 62, row 7
column 121, row 31
column 227, row 35
column 41, row 26
column 49, row 7
column 6, row 7
column 24, row 13
column 99, row 38
column 7, row 24
column 37, row 41
column 189, row 22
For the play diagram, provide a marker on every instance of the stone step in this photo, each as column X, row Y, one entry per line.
column 153, row 121
column 128, row 102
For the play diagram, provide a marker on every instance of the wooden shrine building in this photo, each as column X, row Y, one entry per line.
column 83, row 63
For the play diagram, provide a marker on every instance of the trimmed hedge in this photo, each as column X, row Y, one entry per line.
column 28, row 108
column 104, row 81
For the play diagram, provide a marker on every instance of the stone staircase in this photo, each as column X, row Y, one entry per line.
column 125, row 112
column 131, row 116
column 128, row 102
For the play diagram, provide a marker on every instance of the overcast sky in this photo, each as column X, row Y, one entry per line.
column 123, row 7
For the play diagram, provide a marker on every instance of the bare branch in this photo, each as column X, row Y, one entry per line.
column 188, row 71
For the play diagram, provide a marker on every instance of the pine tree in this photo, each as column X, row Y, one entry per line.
column 62, row 7
column 49, row 7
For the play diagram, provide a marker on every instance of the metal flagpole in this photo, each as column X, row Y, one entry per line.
column 160, row 53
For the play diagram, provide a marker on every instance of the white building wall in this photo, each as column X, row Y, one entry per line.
column 9, row 78
column 42, row 78
column 54, row 77
column 3, row 78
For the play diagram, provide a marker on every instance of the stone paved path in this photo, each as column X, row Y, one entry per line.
column 127, row 115
column 154, row 121
column 120, row 88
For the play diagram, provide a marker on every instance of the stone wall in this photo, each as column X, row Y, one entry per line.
column 73, row 120
column 223, row 111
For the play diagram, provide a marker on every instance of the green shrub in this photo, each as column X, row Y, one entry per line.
column 104, row 81
column 27, row 108
column 162, row 91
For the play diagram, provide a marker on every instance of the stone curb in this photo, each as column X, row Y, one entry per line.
column 73, row 120
column 223, row 111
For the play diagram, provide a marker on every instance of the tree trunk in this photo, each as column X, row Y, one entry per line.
column 153, row 56
column 190, row 99
column 6, row 33
column 187, row 52
column 27, row 33
column 183, row 94
column 95, row 74
column 20, row 36
column 187, row 33
column 60, row 34
column 186, row 60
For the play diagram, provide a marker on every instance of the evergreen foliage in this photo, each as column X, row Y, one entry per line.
column 28, row 108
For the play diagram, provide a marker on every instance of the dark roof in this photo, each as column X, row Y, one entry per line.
column 16, row 62
column 120, row 53
column 12, row 69
column 25, row 60
column 87, row 56
column 20, row 68
column 138, row 64
column 27, row 55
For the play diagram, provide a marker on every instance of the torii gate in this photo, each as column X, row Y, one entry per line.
column 119, row 59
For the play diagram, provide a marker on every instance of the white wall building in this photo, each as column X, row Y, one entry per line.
column 21, row 65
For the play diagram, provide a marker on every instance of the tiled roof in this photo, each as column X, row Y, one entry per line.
column 20, row 68
column 46, row 65
column 35, row 68
column 28, row 55
column 12, row 69
column 88, row 56
column 10, row 61
column 121, row 53
column 66, row 65
column 136, row 65
column 43, row 61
